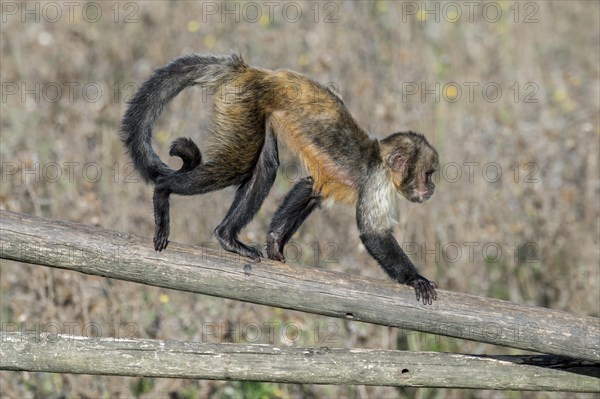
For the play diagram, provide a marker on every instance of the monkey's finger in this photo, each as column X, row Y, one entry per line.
column 432, row 287
column 432, row 296
column 426, row 297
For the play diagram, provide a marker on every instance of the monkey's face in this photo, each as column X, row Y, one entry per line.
column 412, row 162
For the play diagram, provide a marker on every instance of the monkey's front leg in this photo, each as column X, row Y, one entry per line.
column 385, row 249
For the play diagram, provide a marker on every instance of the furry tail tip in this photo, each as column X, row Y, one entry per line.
column 188, row 151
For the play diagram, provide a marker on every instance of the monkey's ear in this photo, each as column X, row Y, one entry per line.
column 396, row 161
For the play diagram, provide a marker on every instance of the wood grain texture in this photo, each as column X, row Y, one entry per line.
column 153, row 358
column 209, row 271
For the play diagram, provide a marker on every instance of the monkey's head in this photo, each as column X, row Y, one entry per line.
column 412, row 161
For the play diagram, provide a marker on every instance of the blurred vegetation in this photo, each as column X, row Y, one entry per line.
column 530, row 236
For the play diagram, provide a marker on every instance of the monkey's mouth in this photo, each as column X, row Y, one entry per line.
column 420, row 197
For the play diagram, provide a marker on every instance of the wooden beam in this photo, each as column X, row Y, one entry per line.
column 101, row 252
column 153, row 358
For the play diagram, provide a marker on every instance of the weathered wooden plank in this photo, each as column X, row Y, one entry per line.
column 97, row 251
column 152, row 358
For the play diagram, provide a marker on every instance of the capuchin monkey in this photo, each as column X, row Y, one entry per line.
column 255, row 108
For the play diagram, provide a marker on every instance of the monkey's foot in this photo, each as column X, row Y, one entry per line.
column 161, row 239
column 160, row 201
column 424, row 289
column 233, row 245
column 238, row 247
column 274, row 249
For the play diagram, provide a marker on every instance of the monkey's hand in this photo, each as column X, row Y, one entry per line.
column 424, row 289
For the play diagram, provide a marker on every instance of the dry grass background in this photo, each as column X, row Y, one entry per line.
column 374, row 52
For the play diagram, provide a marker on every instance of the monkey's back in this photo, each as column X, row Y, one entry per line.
column 308, row 117
column 315, row 124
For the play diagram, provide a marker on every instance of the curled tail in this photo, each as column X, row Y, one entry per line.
column 188, row 151
column 155, row 93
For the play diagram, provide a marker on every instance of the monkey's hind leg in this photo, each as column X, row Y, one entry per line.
column 160, row 201
column 193, row 178
column 248, row 200
column 190, row 154
column 296, row 207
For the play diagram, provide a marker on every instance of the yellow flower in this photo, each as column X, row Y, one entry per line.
column 452, row 15
column 264, row 20
column 381, row 6
column 303, row 60
column 163, row 298
column 162, row 136
column 505, row 4
column 450, row 92
column 193, row 26
column 559, row 95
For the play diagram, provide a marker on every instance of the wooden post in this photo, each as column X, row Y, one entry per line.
column 152, row 358
column 101, row 252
